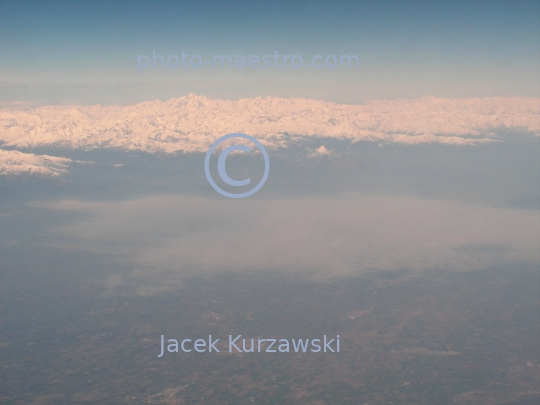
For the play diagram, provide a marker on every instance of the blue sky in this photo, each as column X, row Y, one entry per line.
column 86, row 52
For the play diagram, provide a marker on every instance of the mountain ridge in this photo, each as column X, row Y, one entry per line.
column 192, row 123
column 13, row 162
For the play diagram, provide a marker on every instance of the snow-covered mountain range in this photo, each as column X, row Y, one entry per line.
column 13, row 162
column 192, row 123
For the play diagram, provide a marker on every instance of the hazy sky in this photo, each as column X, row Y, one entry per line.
column 86, row 52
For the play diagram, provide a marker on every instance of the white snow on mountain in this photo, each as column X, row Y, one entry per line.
column 192, row 123
column 13, row 162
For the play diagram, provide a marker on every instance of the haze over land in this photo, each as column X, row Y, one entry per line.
column 416, row 184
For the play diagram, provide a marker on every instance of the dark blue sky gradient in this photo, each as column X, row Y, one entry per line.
column 86, row 52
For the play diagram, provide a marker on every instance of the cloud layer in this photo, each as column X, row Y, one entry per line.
column 162, row 237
